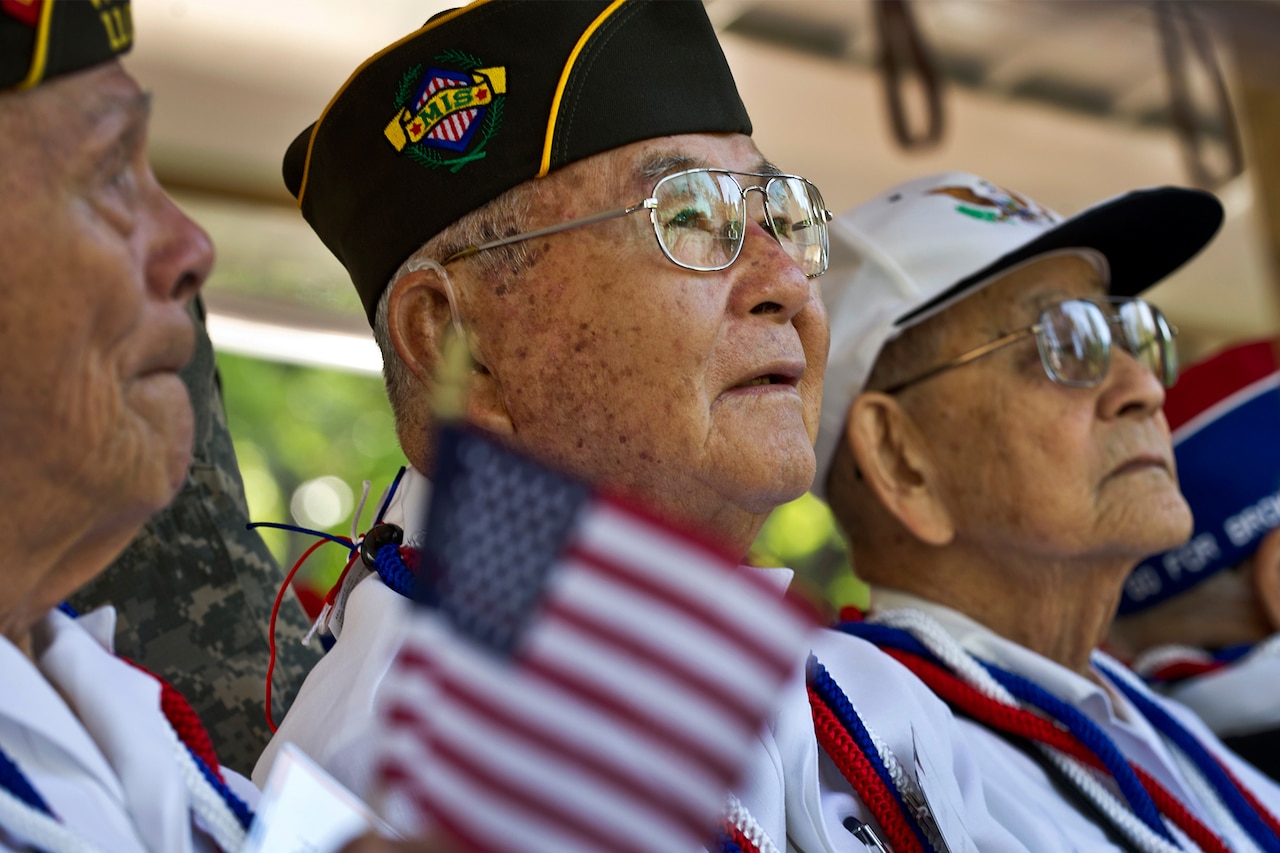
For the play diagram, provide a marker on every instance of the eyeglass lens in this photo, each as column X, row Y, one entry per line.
column 1075, row 340
column 700, row 219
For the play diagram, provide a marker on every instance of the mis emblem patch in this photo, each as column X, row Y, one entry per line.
column 993, row 204
column 452, row 109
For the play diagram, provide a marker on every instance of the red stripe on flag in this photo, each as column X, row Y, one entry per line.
column 717, row 557
column 566, row 751
column 730, row 704
column 771, row 658
column 410, row 657
column 534, row 799
column 393, row 772
column 643, row 721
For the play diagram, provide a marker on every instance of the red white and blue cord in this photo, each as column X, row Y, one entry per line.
column 1150, row 817
column 740, row 832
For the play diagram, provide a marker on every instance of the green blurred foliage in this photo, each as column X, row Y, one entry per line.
column 292, row 425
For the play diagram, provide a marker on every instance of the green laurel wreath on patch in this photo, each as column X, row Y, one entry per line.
column 407, row 81
column 463, row 61
column 430, row 157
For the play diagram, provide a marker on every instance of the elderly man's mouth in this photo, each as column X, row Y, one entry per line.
column 1142, row 463
column 780, row 376
column 770, row 379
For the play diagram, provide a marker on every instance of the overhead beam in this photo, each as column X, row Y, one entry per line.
column 1253, row 30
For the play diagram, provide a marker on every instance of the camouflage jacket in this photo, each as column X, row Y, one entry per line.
column 195, row 588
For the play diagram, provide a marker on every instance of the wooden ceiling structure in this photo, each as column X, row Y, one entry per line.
column 1067, row 101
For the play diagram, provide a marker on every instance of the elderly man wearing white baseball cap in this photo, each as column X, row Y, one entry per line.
column 993, row 444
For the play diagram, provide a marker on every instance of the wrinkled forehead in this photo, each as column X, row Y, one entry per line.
column 74, row 111
column 634, row 169
column 1018, row 296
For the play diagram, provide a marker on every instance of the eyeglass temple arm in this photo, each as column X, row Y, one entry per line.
column 615, row 213
column 971, row 355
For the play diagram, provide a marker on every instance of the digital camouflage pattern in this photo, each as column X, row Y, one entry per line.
column 195, row 588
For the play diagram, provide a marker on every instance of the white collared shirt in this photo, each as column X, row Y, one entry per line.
column 86, row 730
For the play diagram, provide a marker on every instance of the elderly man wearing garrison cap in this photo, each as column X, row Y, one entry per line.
column 994, row 446
column 575, row 186
column 1199, row 621
column 98, row 272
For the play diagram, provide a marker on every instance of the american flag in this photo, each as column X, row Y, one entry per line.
column 582, row 677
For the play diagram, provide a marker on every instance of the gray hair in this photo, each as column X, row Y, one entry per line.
column 504, row 216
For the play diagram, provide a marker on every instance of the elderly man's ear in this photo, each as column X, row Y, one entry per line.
column 895, row 465
column 420, row 316
column 1266, row 577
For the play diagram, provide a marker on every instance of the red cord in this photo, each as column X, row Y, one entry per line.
column 739, row 838
column 271, row 631
column 184, row 720
column 332, row 595
column 857, row 770
column 1023, row 723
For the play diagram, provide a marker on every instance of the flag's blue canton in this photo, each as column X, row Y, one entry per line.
column 496, row 525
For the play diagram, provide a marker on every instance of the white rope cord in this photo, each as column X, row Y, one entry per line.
column 901, row 780
column 365, row 486
column 943, row 646
column 936, row 639
column 1157, row 658
column 1087, row 781
column 1220, row 816
column 215, row 814
column 37, row 829
column 737, row 814
column 907, row 788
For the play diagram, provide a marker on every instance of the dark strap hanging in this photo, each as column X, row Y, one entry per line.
column 1184, row 42
column 903, row 53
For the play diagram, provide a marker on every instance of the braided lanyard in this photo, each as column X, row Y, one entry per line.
column 1261, row 825
column 867, row 764
column 225, row 816
column 740, row 833
column 1075, row 745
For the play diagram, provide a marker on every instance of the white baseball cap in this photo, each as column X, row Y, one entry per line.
column 922, row 246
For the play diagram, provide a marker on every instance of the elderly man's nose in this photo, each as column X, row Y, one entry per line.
column 767, row 280
column 1131, row 387
column 182, row 255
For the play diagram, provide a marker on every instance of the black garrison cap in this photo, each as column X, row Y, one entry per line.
column 40, row 39
column 483, row 98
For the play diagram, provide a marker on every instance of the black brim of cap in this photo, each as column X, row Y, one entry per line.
column 1145, row 235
